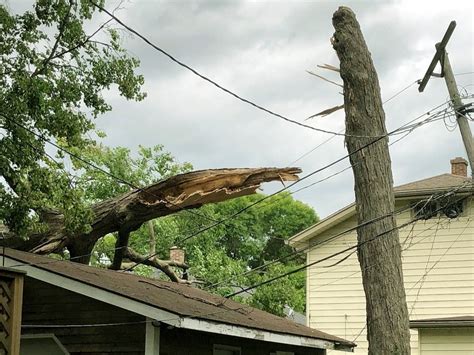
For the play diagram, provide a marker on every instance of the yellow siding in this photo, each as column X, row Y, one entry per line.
column 447, row 341
column 438, row 263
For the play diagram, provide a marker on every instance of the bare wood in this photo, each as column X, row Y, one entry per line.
column 151, row 238
column 325, row 79
column 329, row 67
column 327, row 112
column 130, row 210
column 387, row 314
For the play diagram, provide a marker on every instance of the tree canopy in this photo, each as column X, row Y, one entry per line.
column 52, row 88
column 63, row 192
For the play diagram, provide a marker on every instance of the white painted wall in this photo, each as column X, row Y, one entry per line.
column 438, row 263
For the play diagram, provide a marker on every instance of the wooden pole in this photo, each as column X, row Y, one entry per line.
column 387, row 314
column 463, row 124
column 441, row 56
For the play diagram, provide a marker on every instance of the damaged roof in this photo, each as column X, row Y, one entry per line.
column 177, row 298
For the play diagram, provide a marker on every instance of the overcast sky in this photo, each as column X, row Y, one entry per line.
column 261, row 50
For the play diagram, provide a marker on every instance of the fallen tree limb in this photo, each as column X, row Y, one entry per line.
column 129, row 211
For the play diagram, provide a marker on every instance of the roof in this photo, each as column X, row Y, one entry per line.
column 419, row 188
column 431, row 185
column 450, row 322
column 176, row 298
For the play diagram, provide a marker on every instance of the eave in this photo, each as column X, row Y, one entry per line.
column 159, row 315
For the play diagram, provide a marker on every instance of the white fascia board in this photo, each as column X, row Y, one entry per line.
column 337, row 217
column 95, row 293
column 257, row 334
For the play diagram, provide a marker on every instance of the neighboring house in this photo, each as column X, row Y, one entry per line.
column 70, row 308
column 438, row 262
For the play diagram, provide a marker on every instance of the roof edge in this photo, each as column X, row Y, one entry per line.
column 420, row 324
column 323, row 225
column 349, row 210
column 164, row 316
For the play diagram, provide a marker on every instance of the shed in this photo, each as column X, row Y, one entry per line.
column 451, row 335
column 70, row 308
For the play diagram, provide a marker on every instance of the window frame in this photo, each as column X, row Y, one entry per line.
column 236, row 349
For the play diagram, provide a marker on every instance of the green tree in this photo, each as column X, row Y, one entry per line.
column 53, row 76
column 51, row 87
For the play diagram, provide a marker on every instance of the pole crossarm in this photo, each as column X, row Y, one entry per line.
column 438, row 57
column 441, row 56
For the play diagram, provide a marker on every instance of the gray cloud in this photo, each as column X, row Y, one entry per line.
column 261, row 50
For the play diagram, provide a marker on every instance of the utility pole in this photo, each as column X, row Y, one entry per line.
column 441, row 56
column 367, row 143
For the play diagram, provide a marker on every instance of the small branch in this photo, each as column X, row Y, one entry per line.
column 84, row 42
column 329, row 67
column 323, row 78
column 327, row 111
column 62, row 27
column 163, row 265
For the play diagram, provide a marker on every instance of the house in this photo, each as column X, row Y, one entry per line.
column 70, row 308
column 437, row 256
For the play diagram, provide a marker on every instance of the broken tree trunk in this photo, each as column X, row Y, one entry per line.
column 126, row 213
column 387, row 314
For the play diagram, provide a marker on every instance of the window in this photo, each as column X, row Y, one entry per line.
column 450, row 208
column 226, row 350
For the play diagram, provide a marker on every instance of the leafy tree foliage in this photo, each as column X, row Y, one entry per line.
column 51, row 87
column 228, row 252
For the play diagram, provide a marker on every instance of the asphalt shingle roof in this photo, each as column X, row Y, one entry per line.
column 177, row 298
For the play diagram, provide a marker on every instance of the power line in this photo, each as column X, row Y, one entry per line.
column 221, row 221
column 356, row 246
column 344, row 232
column 427, row 271
column 400, row 92
column 216, row 222
column 213, row 82
column 424, row 275
column 98, row 168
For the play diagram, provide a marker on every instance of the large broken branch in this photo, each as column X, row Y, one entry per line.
column 130, row 210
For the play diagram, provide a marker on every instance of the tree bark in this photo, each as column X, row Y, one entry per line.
column 387, row 314
column 126, row 213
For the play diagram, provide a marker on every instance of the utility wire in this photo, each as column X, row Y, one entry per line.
column 129, row 184
column 211, row 81
column 356, row 246
column 311, row 246
column 423, row 276
column 221, row 221
column 98, row 168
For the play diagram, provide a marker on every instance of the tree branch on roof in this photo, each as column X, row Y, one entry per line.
column 127, row 212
